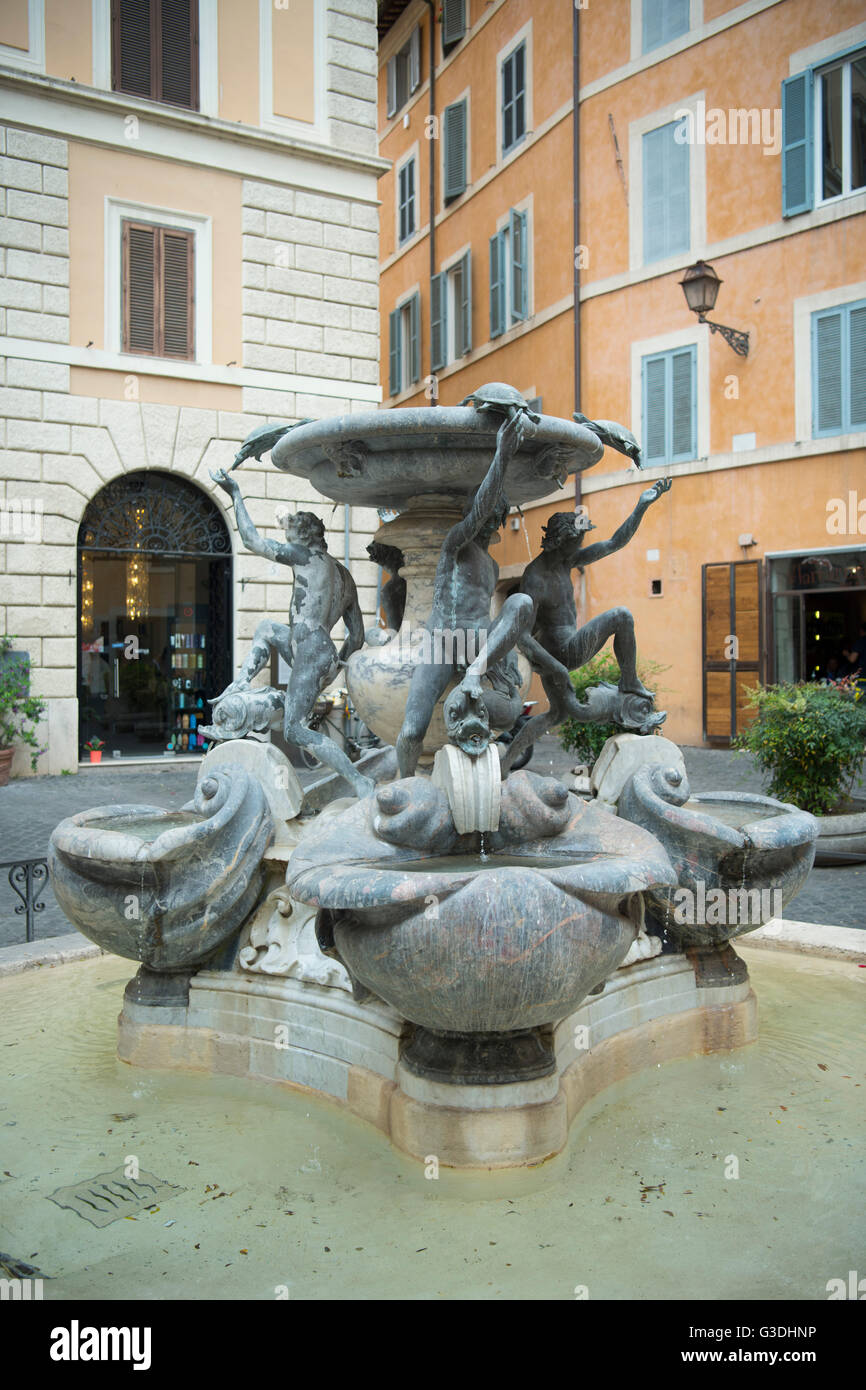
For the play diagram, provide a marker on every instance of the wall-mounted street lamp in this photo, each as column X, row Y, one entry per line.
column 701, row 287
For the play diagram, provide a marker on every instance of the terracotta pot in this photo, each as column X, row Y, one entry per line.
column 5, row 765
column 95, row 755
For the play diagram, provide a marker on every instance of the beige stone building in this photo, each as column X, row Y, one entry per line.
column 190, row 248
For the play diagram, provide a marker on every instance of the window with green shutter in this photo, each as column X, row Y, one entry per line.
column 663, row 21
column 514, row 98
column 438, row 321
column 666, row 209
column 454, row 127
column 453, row 20
column 497, row 283
column 155, row 51
column 518, row 225
column 509, row 274
column 797, row 144
column 839, row 369
column 403, row 73
column 406, row 219
column 669, row 406
column 824, row 133
column 395, row 353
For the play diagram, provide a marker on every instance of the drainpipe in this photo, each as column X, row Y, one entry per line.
column 575, row 87
column 434, row 384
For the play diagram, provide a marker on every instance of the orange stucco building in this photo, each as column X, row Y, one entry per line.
column 702, row 130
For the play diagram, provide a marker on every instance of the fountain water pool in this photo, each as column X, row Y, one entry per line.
column 279, row 1175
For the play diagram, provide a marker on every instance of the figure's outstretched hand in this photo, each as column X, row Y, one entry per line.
column 658, row 489
column 511, row 436
column 222, row 479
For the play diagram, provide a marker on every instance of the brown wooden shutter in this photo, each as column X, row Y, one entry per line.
column 731, row 608
column 155, row 49
column 158, row 298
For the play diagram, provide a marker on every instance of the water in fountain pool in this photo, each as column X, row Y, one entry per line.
column 471, row 863
column 149, row 828
column 731, row 813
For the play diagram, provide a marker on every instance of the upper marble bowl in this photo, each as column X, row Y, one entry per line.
column 382, row 458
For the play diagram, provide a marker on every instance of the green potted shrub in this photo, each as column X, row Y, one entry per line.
column 810, row 739
column 587, row 740
column 20, row 712
column 94, row 747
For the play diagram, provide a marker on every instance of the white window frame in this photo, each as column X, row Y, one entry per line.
column 33, row 58
column 523, row 35
column 696, row 19
column 693, row 336
column 116, row 213
column 819, row 73
column 696, row 105
column 208, row 52
column 504, row 224
column 413, row 153
column 447, row 269
column 804, row 308
column 318, row 130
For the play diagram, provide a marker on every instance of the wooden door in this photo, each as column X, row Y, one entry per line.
column 733, row 647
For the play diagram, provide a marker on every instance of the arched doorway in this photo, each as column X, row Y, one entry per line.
column 154, row 615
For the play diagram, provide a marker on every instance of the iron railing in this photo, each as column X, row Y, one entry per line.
column 28, row 878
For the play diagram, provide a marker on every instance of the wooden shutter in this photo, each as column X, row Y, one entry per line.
column 155, row 49
column 453, row 14
column 415, row 338
column 683, row 403
column 157, row 291
column 797, row 174
column 454, row 127
column 666, row 224
column 518, row 223
column 438, row 321
column 391, row 79
column 466, row 289
column 827, row 372
column 497, row 285
column 857, row 367
column 732, row 608
column 395, row 376
column 415, row 59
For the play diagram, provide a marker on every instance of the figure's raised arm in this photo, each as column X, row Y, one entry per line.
column 623, row 534
column 490, row 496
column 282, row 551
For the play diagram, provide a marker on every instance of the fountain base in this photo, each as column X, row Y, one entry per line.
column 480, row 1059
column 319, row 1039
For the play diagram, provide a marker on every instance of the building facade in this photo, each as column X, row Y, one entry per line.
column 190, row 234
column 583, row 158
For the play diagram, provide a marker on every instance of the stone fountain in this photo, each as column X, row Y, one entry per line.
column 459, row 954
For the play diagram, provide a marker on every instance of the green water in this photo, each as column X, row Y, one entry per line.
column 149, row 828
column 731, row 813
column 638, row 1205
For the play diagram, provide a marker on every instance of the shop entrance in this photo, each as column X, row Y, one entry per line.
column 818, row 601
column 154, row 615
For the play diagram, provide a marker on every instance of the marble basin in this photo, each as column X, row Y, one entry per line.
column 166, row 888
column 461, row 944
column 739, row 858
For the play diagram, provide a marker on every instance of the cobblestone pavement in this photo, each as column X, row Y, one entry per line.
column 31, row 807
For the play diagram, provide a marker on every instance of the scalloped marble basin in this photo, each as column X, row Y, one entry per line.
column 461, row 944
column 166, row 888
column 740, row 858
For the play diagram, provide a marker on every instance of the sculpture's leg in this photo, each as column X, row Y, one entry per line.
column 428, row 683
column 268, row 634
column 314, row 665
column 557, row 686
column 514, row 619
column 589, row 640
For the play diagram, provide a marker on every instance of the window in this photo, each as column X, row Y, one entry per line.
column 839, row 369
column 509, row 274
column 514, row 98
column 154, row 50
column 157, row 291
column 404, row 356
column 406, row 201
column 403, row 73
column 455, row 150
column 663, row 21
column 666, row 212
column 823, row 133
column 669, row 406
column 451, row 313
column 453, row 20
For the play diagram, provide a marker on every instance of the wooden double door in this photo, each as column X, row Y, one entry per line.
column 733, row 644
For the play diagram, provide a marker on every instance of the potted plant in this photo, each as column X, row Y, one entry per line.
column 811, row 740
column 20, row 711
column 94, row 747
column 587, row 740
